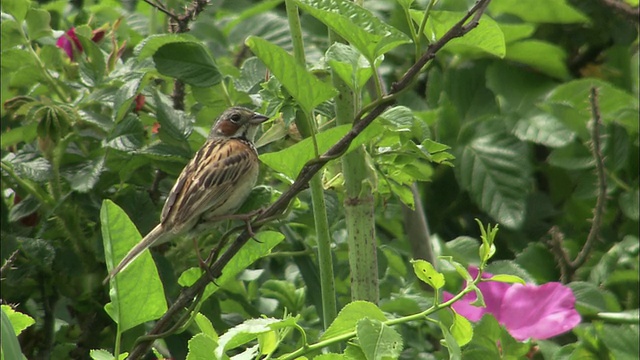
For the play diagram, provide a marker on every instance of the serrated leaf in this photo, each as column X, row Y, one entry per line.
column 26, row 207
column 461, row 329
column 248, row 331
column 291, row 160
column 201, row 347
column 349, row 316
column 539, row 11
column 494, row 168
column 450, row 343
column 303, row 86
column 19, row 321
column 38, row 23
column 137, row 295
column 371, row 36
column 350, row 65
column 152, row 43
column 83, row 178
column 377, row 340
column 175, row 126
column 93, row 66
column 189, row 62
column 16, row 8
column 543, row 129
column 487, row 37
column 428, row 274
column 546, row 57
column 10, row 344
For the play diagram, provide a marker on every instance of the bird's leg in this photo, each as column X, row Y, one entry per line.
column 246, row 217
column 204, row 265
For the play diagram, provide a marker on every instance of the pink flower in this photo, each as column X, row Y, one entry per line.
column 69, row 40
column 526, row 311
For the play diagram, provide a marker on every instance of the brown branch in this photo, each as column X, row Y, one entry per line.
column 568, row 267
column 8, row 263
column 624, row 9
column 601, row 199
column 309, row 170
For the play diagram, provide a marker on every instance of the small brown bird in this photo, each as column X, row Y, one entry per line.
column 215, row 183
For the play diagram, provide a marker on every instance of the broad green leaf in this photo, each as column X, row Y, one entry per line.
column 205, row 326
column 291, row 160
column 260, row 7
column 590, row 299
column 349, row 316
column 151, row 44
column 486, row 37
column 189, row 62
column 513, row 268
column 10, row 345
column 11, row 36
column 539, row 11
column 93, row 65
column 356, row 25
column 19, row 321
column 136, row 293
column 450, row 343
column 303, row 86
column 38, row 23
column 574, row 156
column 515, row 32
column 105, row 355
column 16, row 8
column 349, row 64
column 543, row 129
column 510, row 279
column 377, row 340
column 126, row 94
column 428, row 274
column 569, row 102
column 26, row 207
column 621, row 340
column 83, row 178
column 201, row 347
column 249, row 331
column 630, row 204
column 546, row 57
column 495, row 170
column 460, row 269
column 461, row 329
column 248, row 254
column 175, row 125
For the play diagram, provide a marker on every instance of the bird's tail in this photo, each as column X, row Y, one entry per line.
column 152, row 238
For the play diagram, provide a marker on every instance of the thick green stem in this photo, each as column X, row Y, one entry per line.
column 304, row 122
column 358, row 202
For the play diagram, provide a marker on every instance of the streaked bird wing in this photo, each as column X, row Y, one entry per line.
column 207, row 182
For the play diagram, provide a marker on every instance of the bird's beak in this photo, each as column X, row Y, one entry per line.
column 258, row 118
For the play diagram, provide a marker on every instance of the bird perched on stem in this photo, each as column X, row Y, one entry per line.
column 213, row 185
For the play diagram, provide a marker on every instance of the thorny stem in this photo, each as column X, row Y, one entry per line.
column 309, row 170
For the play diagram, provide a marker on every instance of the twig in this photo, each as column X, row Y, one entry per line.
column 309, row 170
column 621, row 7
column 568, row 267
column 601, row 200
column 161, row 8
column 8, row 263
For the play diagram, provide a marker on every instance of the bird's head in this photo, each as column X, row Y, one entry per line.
column 237, row 122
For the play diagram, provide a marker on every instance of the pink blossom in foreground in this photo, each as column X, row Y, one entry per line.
column 69, row 41
column 526, row 311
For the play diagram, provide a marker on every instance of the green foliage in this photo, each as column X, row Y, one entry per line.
column 497, row 127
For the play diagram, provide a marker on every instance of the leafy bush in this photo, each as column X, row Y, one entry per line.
column 393, row 126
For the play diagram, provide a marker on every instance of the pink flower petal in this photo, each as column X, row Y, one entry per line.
column 67, row 41
column 492, row 292
column 539, row 312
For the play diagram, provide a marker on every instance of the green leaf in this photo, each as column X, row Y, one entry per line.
column 590, row 299
column 152, row 43
column 19, row 321
column 548, row 58
column 93, row 66
column 11, row 36
column 201, row 346
column 543, row 129
column 495, row 170
column 621, row 340
column 38, row 23
column 515, row 32
column 485, row 38
column 205, row 326
column 356, row 25
column 510, row 279
column 248, row 254
column 136, row 293
column 568, row 102
column 249, row 331
column 101, row 354
column 349, row 316
column 10, row 345
column 630, row 204
column 16, row 8
column 26, row 207
column 450, row 343
column 461, row 329
column 539, row 11
column 175, row 125
column 349, row 64
column 377, row 340
column 303, row 86
column 291, row 160
column 189, row 62
column 84, row 177
column 428, row 274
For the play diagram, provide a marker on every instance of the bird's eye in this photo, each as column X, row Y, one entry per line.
column 235, row 117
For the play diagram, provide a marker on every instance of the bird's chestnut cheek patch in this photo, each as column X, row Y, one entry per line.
column 228, row 128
